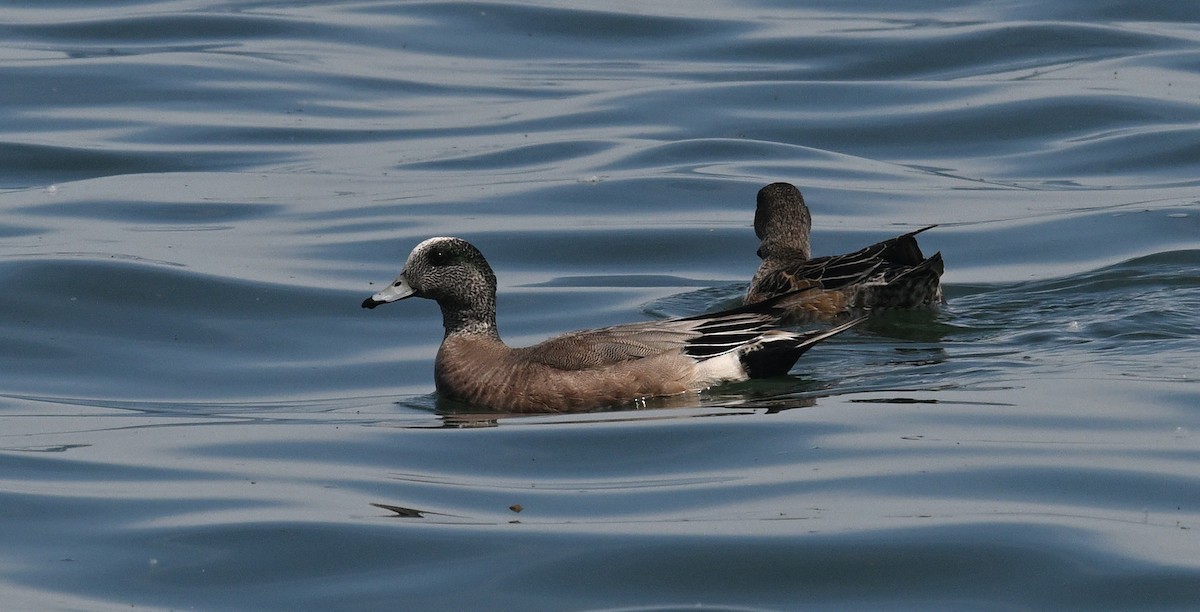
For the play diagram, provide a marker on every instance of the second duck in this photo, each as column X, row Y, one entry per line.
column 890, row 274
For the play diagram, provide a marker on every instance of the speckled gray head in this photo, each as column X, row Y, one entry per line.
column 782, row 222
column 452, row 272
column 448, row 270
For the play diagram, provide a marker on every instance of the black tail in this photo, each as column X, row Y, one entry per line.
column 777, row 356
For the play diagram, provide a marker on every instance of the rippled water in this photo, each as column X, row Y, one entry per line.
column 195, row 413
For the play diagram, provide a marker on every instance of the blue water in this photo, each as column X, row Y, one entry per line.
column 195, row 198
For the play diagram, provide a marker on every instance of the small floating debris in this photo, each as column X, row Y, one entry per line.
column 894, row 400
column 401, row 511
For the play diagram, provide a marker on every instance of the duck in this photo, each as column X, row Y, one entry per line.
column 588, row 369
column 890, row 274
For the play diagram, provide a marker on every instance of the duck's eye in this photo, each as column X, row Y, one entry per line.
column 439, row 257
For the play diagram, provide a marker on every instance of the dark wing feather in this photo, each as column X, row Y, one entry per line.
column 880, row 261
column 701, row 336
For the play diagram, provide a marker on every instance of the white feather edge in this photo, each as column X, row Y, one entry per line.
column 728, row 367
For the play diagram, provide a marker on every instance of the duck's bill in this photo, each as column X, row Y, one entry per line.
column 398, row 290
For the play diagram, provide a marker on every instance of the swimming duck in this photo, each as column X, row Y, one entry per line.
column 889, row 274
column 588, row 369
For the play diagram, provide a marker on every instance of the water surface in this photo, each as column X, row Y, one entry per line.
column 196, row 196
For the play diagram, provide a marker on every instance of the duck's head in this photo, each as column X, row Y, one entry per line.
column 450, row 271
column 782, row 222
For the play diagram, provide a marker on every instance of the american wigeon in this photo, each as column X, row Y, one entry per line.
column 587, row 369
column 890, row 274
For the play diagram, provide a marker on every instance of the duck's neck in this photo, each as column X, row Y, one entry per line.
column 784, row 236
column 791, row 247
column 474, row 320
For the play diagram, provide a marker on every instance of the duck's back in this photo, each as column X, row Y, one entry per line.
column 893, row 273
